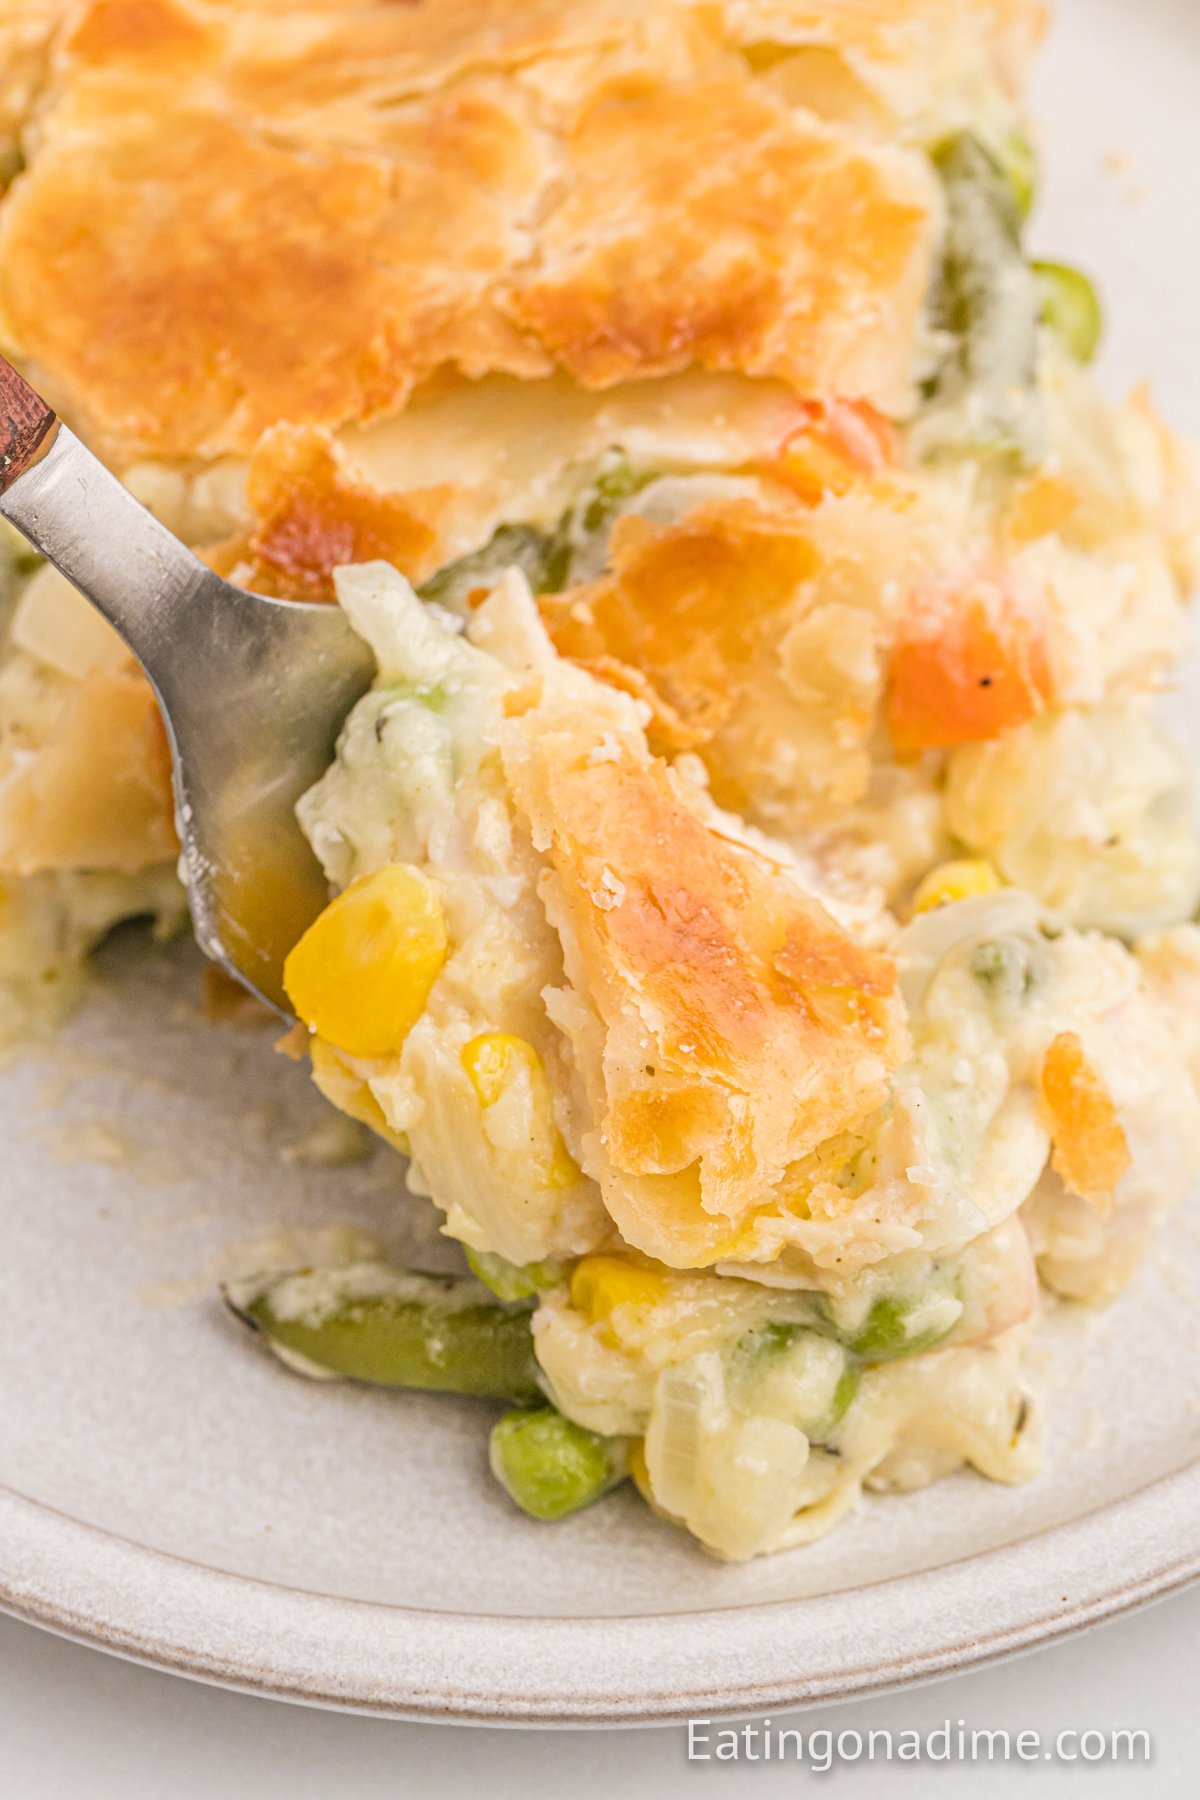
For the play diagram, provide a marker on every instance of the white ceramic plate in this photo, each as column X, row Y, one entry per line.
column 170, row 1494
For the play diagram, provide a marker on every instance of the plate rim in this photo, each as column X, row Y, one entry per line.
column 161, row 1611
column 234, row 1631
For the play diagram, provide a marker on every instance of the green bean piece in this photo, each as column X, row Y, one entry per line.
column 982, row 398
column 892, row 1328
column 618, row 480
column 514, row 1281
column 1018, row 161
column 843, row 1399
column 570, row 552
column 511, row 546
column 369, row 1322
column 579, row 546
column 1071, row 308
column 552, row 1467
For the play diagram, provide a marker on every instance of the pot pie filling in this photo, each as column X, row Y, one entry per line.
column 761, row 889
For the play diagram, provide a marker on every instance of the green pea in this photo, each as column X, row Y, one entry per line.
column 552, row 1467
column 1003, row 969
column 434, row 696
column 762, row 1346
column 1070, row 307
column 991, row 964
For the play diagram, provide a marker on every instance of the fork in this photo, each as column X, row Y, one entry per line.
column 253, row 692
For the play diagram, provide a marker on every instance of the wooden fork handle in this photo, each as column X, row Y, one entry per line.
column 25, row 424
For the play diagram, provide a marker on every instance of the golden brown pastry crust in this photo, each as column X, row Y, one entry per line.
column 235, row 215
column 742, row 1026
column 312, row 512
column 897, row 36
column 686, row 609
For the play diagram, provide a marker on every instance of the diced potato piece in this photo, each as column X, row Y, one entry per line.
column 97, row 793
column 56, row 624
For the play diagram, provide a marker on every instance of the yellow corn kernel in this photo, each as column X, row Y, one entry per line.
column 955, row 881
column 599, row 1284
column 361, row 974
column 638, row 1469
column 492, row 1061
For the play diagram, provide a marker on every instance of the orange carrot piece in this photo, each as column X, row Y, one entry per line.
column 839, row 443
column 966, row 665
column 1091, row 1151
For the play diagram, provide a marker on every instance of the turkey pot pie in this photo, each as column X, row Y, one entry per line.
column 760, row 888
